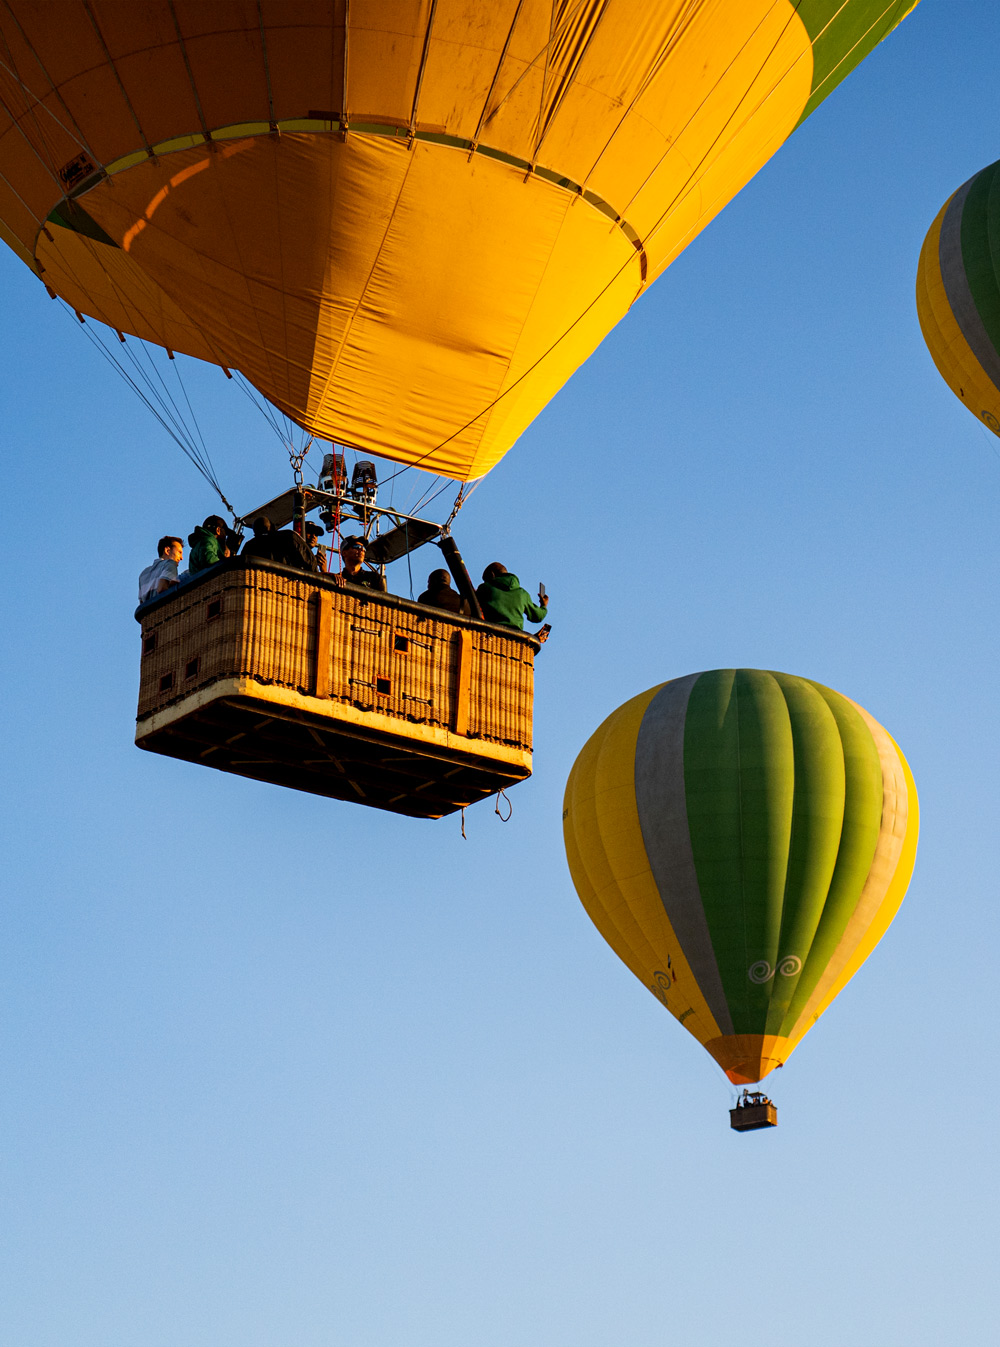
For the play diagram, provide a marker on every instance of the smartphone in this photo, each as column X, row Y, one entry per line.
column 542, row 594
column 542, row 634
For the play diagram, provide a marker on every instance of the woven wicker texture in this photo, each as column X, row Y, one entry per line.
column 398, row 660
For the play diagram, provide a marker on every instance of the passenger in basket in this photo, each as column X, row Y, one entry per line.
column 209, row 543
column 439, row 594
column 353, row 572
column 281, row 545
column 505, row 603
column 162, row 574
column 319, row 552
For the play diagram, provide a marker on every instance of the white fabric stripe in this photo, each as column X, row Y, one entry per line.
column 661, row 804
column 956, row 286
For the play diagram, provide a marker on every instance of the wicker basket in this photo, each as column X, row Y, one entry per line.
column 752, row 1117
column 273, row 674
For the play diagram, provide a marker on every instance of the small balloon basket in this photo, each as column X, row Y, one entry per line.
column 752, row 1112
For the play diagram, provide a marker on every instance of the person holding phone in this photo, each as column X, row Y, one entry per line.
column 505, row 603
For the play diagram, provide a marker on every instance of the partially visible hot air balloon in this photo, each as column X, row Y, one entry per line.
column 407, row 222
column 958, row 294
column 742, row 840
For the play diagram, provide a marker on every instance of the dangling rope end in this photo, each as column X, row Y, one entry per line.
column 510, row 808
column 464, row 838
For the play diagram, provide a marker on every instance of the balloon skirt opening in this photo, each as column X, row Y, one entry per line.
column 748, row 1058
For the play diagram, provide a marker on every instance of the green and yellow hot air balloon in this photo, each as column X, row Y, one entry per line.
column 958, row 294
column 742, row 840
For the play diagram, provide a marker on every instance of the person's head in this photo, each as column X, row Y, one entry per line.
column 493, row 571
column 171, row 549
column 313, row 533
column 215, row 525
column 261, row 525
column 438, row 580
column 353, row 550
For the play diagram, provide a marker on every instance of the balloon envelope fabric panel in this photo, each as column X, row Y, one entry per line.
column 742, row 839
column 407, row 224
column 958, row 294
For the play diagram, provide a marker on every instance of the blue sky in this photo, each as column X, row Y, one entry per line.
column 283, row 1071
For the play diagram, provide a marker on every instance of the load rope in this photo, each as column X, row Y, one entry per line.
column 162, row 405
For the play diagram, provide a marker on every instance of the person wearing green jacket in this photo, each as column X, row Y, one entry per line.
column 208, row 544
column 504, row 602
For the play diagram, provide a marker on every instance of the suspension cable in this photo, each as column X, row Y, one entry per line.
column 162, row 406
column 194, row 417
column 464, row 492
column 264, row 407
column 427, row 494
column 270, row 413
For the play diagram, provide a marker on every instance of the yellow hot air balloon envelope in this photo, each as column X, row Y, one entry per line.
column 742, row 840
column 407, row 222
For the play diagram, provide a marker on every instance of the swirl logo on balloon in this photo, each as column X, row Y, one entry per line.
column 761, row 971
column 661, row 984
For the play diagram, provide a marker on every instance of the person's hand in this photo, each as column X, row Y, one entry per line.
column 337, row 579
column 544, row 599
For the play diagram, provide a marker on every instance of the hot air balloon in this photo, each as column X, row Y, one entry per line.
column 405, row 223
column 742, row 840
column 958, row 295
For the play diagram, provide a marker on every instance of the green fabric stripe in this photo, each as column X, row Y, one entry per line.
column 739, row 783
column 956, row 286
column 993, row 241
column 859, row 837
column 976, row 257
column 783, row 787
column 843, row 32
column 71, row 215
column 817, row 819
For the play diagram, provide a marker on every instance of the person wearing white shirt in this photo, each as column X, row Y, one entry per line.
column 162, row 574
